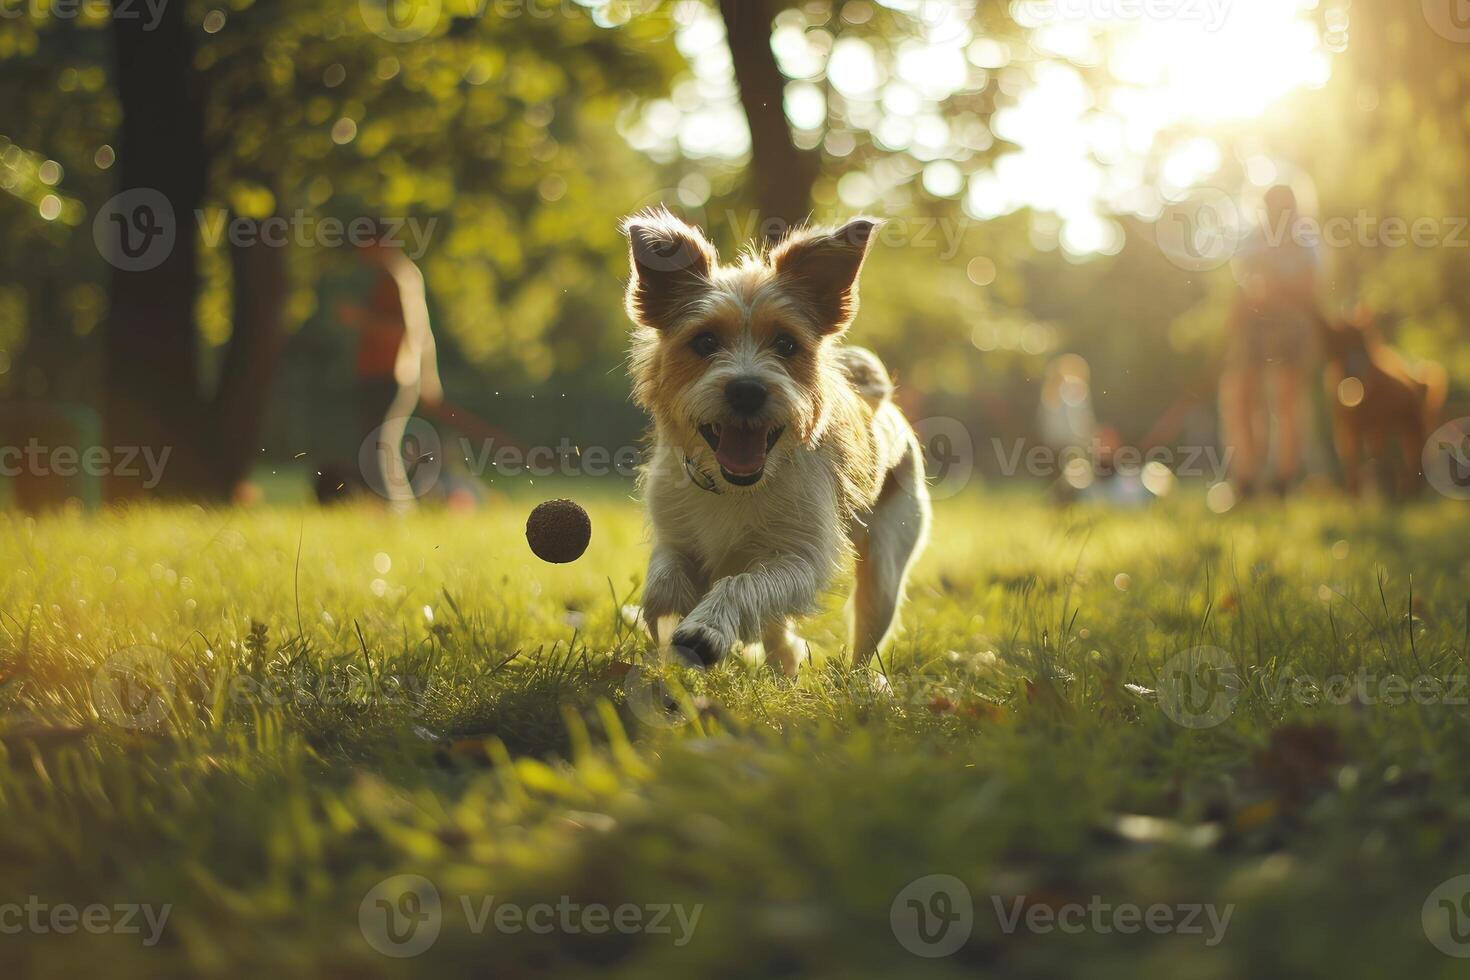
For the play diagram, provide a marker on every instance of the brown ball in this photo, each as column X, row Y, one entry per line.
column 558, row 531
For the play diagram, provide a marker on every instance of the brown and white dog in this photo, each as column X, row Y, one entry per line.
column 778, row 452
column 1378, row 397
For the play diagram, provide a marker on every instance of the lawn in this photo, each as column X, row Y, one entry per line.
column 256, row 722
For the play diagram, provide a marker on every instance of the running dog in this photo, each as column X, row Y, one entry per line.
column 779, row 454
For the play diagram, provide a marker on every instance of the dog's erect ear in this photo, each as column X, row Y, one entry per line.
column 823, row 266
column 671, row 265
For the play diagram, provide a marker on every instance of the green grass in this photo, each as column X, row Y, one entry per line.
column 355, row 697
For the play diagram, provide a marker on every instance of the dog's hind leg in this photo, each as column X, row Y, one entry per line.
column 886, row 547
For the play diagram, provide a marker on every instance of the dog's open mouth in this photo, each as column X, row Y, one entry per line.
column 740, row 450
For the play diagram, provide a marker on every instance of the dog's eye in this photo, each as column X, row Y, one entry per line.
column 705, row 345
column 785, row 346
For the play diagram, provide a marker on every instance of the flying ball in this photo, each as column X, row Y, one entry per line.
column 558, row 531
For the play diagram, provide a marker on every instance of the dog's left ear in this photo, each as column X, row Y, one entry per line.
column 671, row 265
column 823, row 267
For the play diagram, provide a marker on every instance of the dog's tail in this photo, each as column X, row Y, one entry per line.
column 867, row 375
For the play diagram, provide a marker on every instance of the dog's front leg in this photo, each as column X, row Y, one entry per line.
column 674, row 585
column 740, row 606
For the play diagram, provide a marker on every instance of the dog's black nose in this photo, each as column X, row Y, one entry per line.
column 745, row 395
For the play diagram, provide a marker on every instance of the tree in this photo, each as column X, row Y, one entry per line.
column 268, row 110
column 153, row 397
column 781, row 176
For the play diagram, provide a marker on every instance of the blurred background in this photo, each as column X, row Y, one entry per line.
column 1066, row 184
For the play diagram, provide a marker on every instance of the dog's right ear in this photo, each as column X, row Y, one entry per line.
column 671, row 265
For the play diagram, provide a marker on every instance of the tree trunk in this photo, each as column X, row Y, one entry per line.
column 782, row 175
column 258, row 332
column 153, row 400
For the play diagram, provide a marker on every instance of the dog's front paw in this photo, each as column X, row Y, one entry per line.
column 699, row 645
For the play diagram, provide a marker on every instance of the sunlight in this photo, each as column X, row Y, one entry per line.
column 1087, row 105
column 1259, row 51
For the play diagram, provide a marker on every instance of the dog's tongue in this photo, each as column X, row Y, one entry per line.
column 741, row 451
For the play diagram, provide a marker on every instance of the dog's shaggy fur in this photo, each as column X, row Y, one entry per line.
column 1376, row 398
column 778, row 452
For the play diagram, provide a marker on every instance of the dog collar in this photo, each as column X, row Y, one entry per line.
column 697, row 476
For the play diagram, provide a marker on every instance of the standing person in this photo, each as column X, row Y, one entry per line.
column 1269, row 346
column 396, row 363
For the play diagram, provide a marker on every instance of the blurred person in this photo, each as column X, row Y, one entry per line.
column 396, row 366
column 1269, row 346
